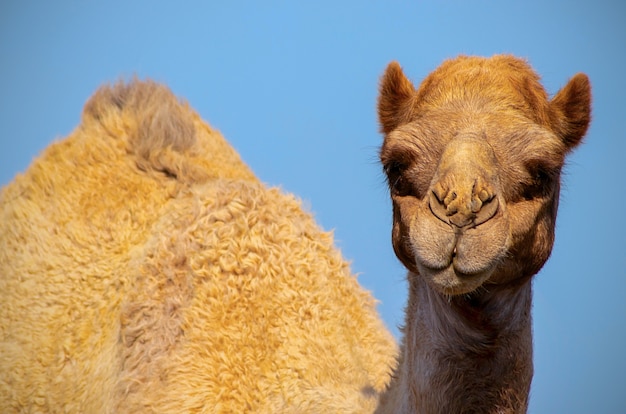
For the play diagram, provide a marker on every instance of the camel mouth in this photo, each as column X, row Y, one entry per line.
column 451, row 280
column 455, row 261
column 457, row 264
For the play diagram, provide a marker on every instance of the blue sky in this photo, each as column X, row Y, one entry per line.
column 293, row 87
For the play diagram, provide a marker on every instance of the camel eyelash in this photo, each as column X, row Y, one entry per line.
column 394, row 169
column 542, row 174
column 540, row 179
column 399, row 184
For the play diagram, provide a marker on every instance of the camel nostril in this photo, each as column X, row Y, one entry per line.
column 461, row 212
column 487, row 211
column 450, row 198
column 440, row 193
column 484, row 195
column 437, row 206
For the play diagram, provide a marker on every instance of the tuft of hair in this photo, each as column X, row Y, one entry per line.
column 160, row 126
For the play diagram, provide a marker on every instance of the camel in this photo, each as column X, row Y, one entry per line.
column 473, row 159
column 145, row 269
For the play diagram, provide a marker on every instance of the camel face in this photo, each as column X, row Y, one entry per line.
column 456, row 231
column 473, row 160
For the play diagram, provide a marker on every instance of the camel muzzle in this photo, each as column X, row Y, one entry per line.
column 464, row 189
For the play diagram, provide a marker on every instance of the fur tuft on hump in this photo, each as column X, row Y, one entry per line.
column 165, row 121
column 164, row 135
column 159, row 128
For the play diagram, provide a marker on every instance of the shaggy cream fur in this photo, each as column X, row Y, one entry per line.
column 144, row 268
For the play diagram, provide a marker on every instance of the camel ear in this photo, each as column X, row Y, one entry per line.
column 395, row 99
column 572, row 109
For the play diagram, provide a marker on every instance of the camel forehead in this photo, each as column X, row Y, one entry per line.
column 501, row 81
column 505, row 131
column 471, row 72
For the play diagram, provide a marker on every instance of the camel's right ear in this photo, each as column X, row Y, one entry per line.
column 396, row 98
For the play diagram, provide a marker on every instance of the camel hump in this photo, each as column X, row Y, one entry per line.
column 163, row 134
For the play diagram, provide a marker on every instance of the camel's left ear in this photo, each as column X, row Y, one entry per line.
column 571, row 107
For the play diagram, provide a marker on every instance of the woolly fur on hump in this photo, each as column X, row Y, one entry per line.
column 143, row 268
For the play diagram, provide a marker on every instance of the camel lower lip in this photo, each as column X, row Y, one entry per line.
column 465, row 275
column 450, row 281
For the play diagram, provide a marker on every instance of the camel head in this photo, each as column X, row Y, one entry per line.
column 473, row 160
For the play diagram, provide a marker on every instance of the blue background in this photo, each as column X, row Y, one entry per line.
column 293, row 87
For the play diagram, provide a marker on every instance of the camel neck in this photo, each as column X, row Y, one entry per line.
column 466, row 354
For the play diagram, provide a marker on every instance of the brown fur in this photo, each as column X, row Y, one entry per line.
column 473, row 159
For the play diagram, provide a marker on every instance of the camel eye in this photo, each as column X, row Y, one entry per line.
column 396, row 176
column 542, row 176
column 394, row 168
column 541, row 181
